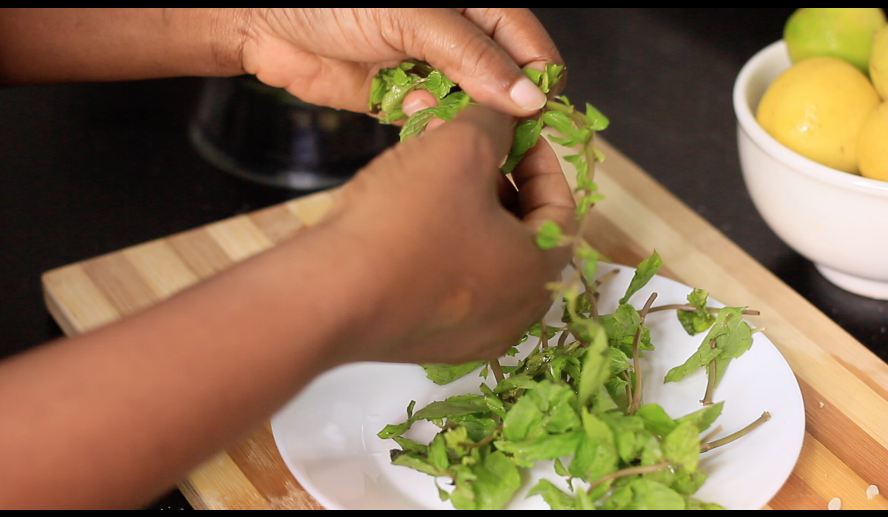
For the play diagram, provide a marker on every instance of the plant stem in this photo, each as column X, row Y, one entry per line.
column 497, row 370
column 636, row 358
column 687, row 307
column 626, row 378
column 739, row 434
column 544, row 334
column 710, row 383
column 562, row 339
column 641, row 469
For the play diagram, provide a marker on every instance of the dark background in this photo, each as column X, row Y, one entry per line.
column 92, row 168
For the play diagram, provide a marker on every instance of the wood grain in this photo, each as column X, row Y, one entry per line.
column 844, row 385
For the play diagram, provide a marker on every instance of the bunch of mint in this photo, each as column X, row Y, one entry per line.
column 575, row 401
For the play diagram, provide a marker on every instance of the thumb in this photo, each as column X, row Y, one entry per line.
column 481, row 50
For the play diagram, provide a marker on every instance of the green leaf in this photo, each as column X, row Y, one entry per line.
column 554, row 407
column 735, row 339
column 409, row 445
column 681, row 447
column 445, row 110
column 548, row 235
column 446, row 373
column 644, row 494
column 456, row 405
column 596, row 120
column 497, row 480
column 544, row 447
column 643, row 273
column 416, row 123
column 560, row 469
column 700, row 319
column 438, row 84
column 521, row 381
column 392, row 430
column 463, row 495
column 728, row 338
column 655, row 419
column 559, row 120
column 535, row 75
column 597, row 452
column 417, row 462
column 535, row 330
column 703, row 417
column 688, row 482
column 621, row 327
column 555, row 498
column 696, row 504
column 527, row 133
column 596, row 368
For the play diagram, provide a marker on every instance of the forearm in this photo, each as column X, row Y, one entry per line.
column 103, row 44
column 109, row 418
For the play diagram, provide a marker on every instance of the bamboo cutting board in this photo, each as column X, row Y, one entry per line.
column 844, row 385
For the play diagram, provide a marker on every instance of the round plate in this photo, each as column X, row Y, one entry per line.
column 327, row 435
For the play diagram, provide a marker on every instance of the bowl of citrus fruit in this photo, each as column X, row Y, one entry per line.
column 812, row 134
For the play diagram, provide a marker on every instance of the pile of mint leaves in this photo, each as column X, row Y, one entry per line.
column 575, row 399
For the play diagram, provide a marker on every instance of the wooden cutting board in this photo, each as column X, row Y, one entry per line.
column 844, row 385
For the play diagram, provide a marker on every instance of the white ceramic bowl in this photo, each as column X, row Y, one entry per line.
column 839, row 221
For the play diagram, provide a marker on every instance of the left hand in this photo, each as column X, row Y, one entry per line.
column 329, row 56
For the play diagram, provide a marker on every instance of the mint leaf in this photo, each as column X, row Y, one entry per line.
column 596, row 120
column 644, row 494
column 527, row 133
column 699, row 319
column 497, row 480
column 446, row 373
column 643, row 273
column 438, row 84
column 596, row 368
column 597, row 452
column 703, row 417
column 655, row 419
column 553, row 496
column 681, row 446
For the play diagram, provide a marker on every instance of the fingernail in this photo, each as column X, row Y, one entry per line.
column 413, row 105
column 527, row 95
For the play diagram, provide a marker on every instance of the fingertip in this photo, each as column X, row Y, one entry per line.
column 527, row 95
column 417, row 100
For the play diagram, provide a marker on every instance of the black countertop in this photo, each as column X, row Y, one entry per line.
column 92, row 168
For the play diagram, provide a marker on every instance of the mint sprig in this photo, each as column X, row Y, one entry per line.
column 575, row 399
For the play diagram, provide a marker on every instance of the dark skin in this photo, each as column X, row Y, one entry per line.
column 149, row 398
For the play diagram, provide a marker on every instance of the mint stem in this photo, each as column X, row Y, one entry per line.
column 687, row 307
column 544, row 334
column 497, row 370
column 710, row 383
column 739, row 434
column 629, row 471
column 636, row 358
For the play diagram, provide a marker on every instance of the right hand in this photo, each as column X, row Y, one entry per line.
column 461, row 276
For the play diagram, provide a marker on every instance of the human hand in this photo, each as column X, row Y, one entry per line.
column 329, row 56
column 461, row 274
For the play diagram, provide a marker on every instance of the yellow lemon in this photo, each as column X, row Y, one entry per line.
column 816, row 108
column 878, row 65
column 872, row 144
column 842, row 32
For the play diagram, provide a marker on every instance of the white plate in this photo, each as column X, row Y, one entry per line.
column 327, row 434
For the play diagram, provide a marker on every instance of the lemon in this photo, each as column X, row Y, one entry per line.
column 878, row 65
column 816, row 108
column 872, row 144
column 842, row 32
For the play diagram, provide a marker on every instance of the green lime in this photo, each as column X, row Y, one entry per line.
column 842, row 32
